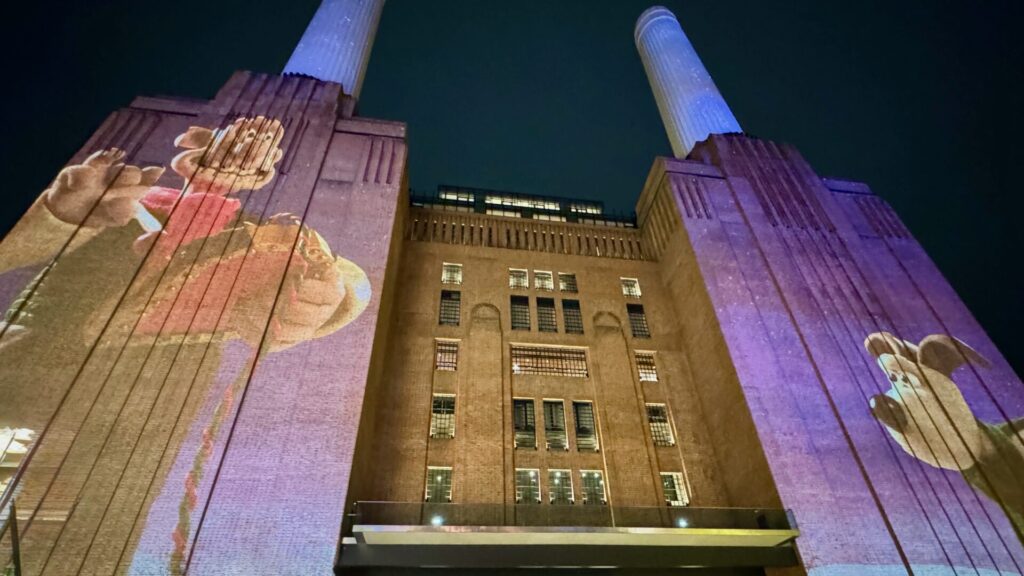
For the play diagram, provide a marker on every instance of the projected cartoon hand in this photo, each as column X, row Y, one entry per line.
column 924, row 411
column 100, row 192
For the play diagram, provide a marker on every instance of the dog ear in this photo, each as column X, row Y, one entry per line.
column 885, row 343
column 194, row 137
column 944, row 354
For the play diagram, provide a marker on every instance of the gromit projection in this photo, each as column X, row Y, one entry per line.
column 235, row 343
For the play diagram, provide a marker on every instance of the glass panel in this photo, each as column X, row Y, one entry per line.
column 560, row 487
column 442, row 416
column 572, row 317
column 661, row 430
column 567, row 282
column 527, row 486
column 524, row 423
column 631, row 287
column 518, row 279
column 451, row 302
column 446, row 355
column 550, row 361
column 543, row 281
column 638, row 321
column 439, row 484
column 592, row 487
column 451, row 274
column 672, row 485
column 586, row 429
column 520, row 313
column 546, row 319
column 554, row 425
column 645, row 367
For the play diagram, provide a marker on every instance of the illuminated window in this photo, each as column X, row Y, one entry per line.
column 14, row 445
column 572, row 317
column 549, row 361
column 585, row 208
column 549, row 217
column 527, row 486
column 645, row 366
column 520, row 313
column 672, row 486
column 451, row 306
column 518, row 279
column 439, row 484
column 560, row 487
column 524, row 423
column 446, row 355
column 638, row 321
column 631, row 287
column 546, row 319
column 456, row 196
column 586, row 428
column 451, row 273
column 442, row 416
column 542, row 280
column 592, row 487
column 506, row 213
column 521, row 202
column 661, row 430
column 566, row 282
column 554, row 425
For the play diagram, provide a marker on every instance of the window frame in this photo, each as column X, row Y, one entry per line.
column 535, row 474
column 547, row 316
column 576, row 404
column 562, row 283
column 662, row 435
column 432, row 473
column 519, row 313
column 600, row 485
column 513, row 279
column 529, row 429
column 550, row 284
column 638, row 325
column 561, row 361
column 645, row 372
column 445, row 277
column 446, row 360
column 556, row 476
column 436, row 416
column 444, row 316
column 679, row 486
column 551, row 432
column 571, row 325
column 631, row 287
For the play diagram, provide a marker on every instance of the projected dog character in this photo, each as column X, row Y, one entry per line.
column 927, row 415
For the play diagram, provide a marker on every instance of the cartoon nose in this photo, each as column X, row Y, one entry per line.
column 888, row 411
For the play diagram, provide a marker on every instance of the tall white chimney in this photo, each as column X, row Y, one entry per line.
column 691, row 106
column 336, row 45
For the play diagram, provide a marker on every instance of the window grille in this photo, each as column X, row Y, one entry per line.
column 520, row 313
column 567, row 282
column 451, row 273
column 446, row 355
column 549, row 361
column 560, row 487
column 661, row 430
column 542, row 280
column 672, row 485
column 524, row 423
column 645, row 366
column 518, row 279
column 527, row 486
column 631, row 287
column 638, row 321
column 592, row 487
column 572, row 317
column 442, row 416
column 439, row 484
column 554, row 425
column 546, row 319
column 451, row 305
column 586, row 427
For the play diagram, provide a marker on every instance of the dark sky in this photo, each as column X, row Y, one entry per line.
column 922, row 100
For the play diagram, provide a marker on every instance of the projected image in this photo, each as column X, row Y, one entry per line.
column 926, row 414
column 131, row 285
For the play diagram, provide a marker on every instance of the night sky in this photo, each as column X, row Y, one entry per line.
column 923, row 101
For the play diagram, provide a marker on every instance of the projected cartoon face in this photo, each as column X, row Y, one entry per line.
column 239, row 157
column 926, row 413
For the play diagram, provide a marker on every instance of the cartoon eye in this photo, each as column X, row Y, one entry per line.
column 905, row 379
column 892, row 376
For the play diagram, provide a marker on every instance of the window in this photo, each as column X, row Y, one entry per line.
column 524, row 423
column 560, row 487
column 451, row 304
column 586, row 428
column 630, row 287
column 567, row 282
column 442, row 416
column 520, row 313
column 439, row 484
column 638, row 321
column 672, row 486
column 550, row 361
column 542, row 280
column 549, row 217
column 446, row 355
column 457, row 196
column 518, row 279
column 661, row 430
column 572, row 317
column 451, row 273
column 554, row 425
column 505, row 213
column 527, row 486
column 645, row 366
column 546, row 319
column 592, row 487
